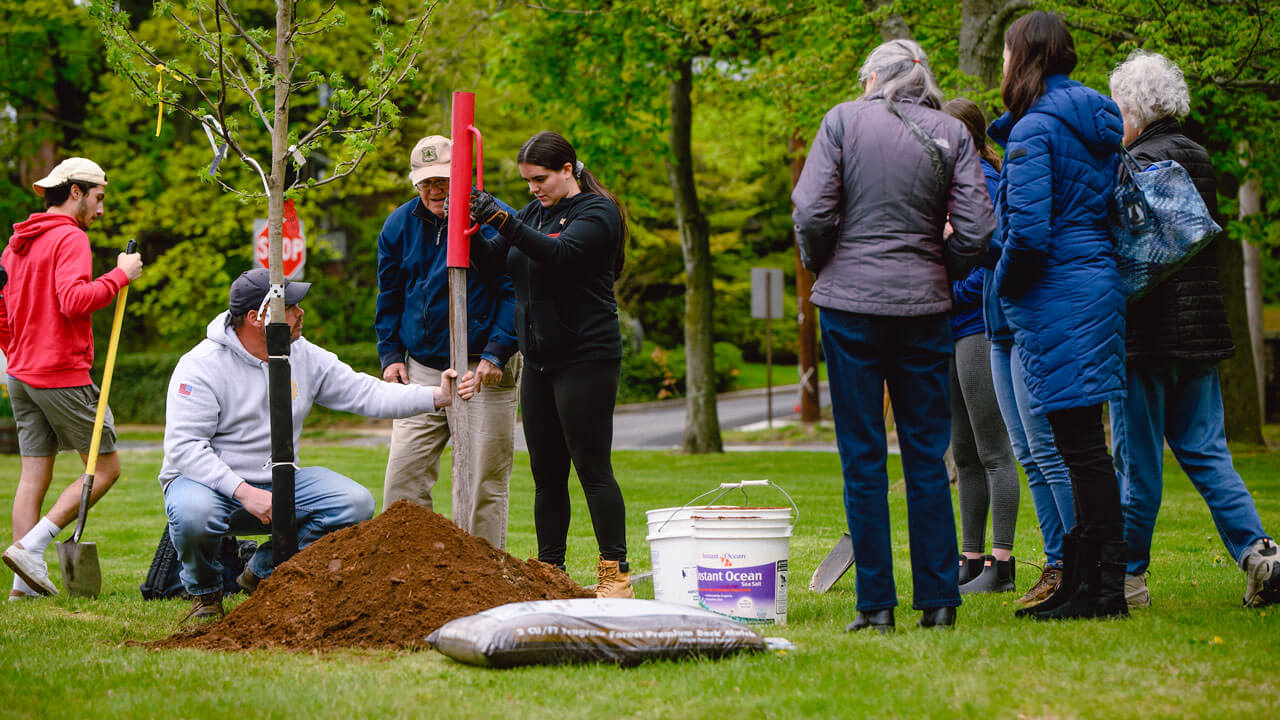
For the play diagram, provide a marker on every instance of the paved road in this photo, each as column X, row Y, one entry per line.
column 649, row 426
column 660, row 425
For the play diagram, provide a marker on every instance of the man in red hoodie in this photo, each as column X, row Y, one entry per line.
column 47, row 338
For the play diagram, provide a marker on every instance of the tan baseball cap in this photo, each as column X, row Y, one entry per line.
column 76, row 168
column 430, row 159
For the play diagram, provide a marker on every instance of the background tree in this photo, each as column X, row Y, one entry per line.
column 624, row 76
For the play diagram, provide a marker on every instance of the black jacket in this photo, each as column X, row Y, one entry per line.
column 1184, row 317
column 561, row 262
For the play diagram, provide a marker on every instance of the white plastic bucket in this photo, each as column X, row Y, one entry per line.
column 742, row 562
column 672, row 551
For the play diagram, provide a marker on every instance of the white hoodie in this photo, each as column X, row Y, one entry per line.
column 217, row 423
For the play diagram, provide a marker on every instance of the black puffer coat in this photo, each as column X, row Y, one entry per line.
column 1184, row 317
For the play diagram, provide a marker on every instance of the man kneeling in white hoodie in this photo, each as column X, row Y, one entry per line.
column 217, row 440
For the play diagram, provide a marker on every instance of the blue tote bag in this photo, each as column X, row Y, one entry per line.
column 1159, row 223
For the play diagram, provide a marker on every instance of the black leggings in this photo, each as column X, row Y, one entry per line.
column 1094, row 489
column 568, row 416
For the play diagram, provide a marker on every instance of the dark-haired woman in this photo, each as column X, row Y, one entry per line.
column 986, row 477
column 563, row 251
column 1060, row 290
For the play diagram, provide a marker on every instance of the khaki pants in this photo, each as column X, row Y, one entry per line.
column 417, row 443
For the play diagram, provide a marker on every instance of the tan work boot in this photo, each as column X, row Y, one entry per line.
column 1050, row 579
column 206, row 607
column 613, row 579
column 1136, row 594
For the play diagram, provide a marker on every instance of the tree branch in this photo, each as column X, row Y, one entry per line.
column 231, row 18
column 300, row 25
column 565, row 11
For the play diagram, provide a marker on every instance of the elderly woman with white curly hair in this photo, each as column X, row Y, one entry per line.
column 1175, row 337
column 870, row 208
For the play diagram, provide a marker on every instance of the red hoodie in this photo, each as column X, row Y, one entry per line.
column 44, row 309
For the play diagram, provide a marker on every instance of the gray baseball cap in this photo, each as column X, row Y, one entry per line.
column 251, row 287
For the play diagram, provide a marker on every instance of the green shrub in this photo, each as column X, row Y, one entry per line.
column 655, row 373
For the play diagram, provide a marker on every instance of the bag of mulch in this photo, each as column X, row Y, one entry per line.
column 625, row 632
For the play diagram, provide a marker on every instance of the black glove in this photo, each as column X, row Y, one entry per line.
column 486, row 211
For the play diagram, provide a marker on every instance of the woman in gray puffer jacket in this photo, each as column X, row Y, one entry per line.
column 871, row 205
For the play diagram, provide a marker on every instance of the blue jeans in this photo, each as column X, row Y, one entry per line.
column 913, row 355
column 1180, row 402
column 1033, row 446
column 199, row 517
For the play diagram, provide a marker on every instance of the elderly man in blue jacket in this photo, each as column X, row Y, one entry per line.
column 412, row 323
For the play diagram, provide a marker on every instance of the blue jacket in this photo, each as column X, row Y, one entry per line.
column 968, row 295
column 993, row 318
column 1057, row 276
column 412, row 311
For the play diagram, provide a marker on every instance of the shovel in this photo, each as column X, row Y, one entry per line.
column 833, row 566
column 840, row 559
column 81, row 573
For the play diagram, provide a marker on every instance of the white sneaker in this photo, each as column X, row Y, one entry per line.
column 31, row 568
column 1261, row 564
column 1136, row 594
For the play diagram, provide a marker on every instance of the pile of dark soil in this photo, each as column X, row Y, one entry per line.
column 385, row 583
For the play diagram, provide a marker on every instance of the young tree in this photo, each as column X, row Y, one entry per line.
column 256, row 60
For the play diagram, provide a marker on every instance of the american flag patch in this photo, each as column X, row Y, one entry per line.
column 184, row 389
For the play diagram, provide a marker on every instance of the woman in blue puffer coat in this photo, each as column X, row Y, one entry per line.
column 1060, row 290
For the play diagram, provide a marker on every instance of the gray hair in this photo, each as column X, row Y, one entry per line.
column 900, row 66
column 1148, row 86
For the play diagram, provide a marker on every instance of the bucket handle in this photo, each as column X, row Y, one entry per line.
column 725, row 488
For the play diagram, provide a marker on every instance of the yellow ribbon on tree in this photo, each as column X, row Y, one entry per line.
column 160, row 70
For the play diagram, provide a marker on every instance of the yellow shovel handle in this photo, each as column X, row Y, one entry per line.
column 101, row 417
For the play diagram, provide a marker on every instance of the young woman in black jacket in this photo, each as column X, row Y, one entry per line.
column 563, row 252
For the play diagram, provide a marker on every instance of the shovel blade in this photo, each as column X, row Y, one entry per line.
column 81, row 574
column 833, row 566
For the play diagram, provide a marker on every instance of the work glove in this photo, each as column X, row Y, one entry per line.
column 1018, row 270
column 486, row 211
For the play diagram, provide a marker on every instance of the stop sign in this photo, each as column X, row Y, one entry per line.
column 293, row 241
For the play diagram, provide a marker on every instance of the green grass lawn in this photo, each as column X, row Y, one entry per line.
column 1196, row 653
column 752, row 375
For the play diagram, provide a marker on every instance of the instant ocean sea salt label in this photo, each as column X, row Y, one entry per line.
column 752, row 593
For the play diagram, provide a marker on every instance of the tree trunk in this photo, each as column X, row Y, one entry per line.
column 284, row 534
column 892, row 26
column 1247, row 307
column 806, row 316
column 1240, row 404
column 702, row 423
column 981, row 41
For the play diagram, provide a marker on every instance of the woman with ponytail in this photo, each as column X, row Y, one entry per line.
column 564, row 251
column 986, row 476
column 881, row 178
